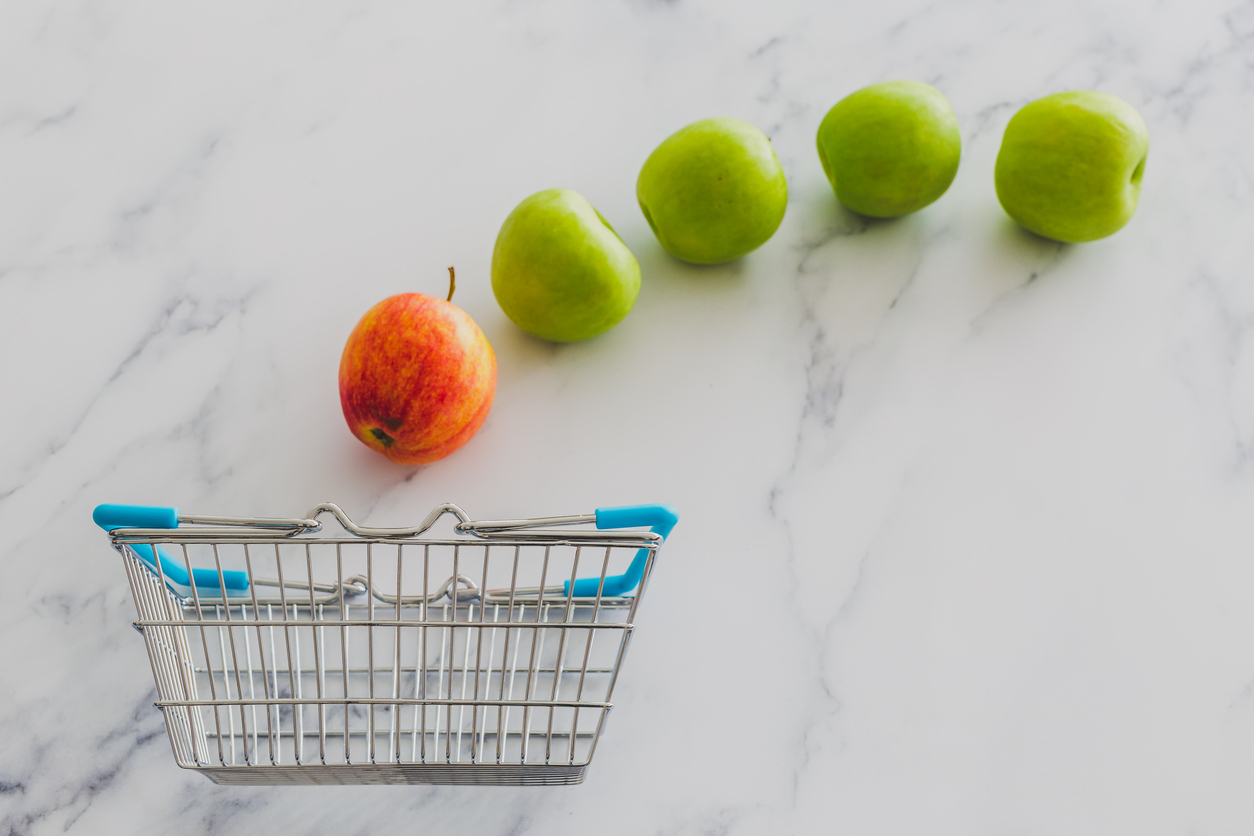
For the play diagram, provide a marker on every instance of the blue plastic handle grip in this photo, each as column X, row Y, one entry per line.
column 110, row 517
column 206, row 579
column 634, row 516
column 660, row 519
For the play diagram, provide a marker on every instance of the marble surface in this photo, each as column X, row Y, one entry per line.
column 966, row 543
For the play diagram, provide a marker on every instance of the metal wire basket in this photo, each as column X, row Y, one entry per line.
column 285, row 656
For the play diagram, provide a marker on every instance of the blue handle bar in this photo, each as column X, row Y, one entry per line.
column 660, row 519
column 110, row 517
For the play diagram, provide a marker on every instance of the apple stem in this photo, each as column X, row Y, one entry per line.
column 452, row 284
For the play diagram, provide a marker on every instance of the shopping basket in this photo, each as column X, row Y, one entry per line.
column 283, row 655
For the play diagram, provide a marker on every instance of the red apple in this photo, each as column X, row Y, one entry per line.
column 417, row 378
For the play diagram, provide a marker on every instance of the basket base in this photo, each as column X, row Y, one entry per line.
column 518, row 775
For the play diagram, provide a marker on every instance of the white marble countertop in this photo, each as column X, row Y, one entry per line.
column 967, row 543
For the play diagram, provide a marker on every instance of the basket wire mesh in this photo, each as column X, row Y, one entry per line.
column 282, row 656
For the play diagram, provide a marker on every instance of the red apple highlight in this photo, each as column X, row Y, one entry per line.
column 417, row 378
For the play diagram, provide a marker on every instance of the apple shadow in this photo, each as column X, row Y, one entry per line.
column 821, row 221
column 1022, row 246
column 1016, row 248
column 670, row 285
column 521, row 348
column 655, row 261
column 1015, row 236
column 854, row 223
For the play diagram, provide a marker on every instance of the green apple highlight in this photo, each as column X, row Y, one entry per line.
column 713, row 191
column 890, row 149
column 559, row 270
column 1070, row 165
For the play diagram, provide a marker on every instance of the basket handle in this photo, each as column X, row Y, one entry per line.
column 660, row 519
column 110, row 517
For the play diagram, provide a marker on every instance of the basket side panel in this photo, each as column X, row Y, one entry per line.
column 463, row 657
column 171, row 660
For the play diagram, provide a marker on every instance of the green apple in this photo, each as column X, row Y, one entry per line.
column 560, row 271
column 890, row 149
column 1070, row 165
column 713, row 191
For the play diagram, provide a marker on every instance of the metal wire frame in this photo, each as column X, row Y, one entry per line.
column 420, row 692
